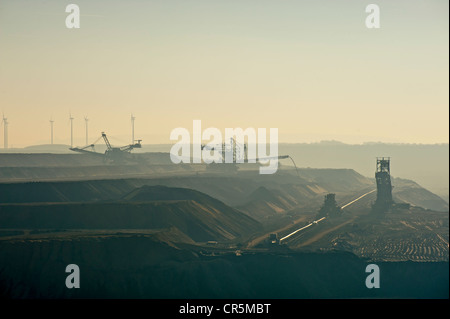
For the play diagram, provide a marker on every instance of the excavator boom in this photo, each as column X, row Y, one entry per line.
column 108, row 145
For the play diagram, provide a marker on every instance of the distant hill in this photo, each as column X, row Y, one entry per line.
column 59, row 192
column 42, row 148
column 197, row 215
column 410, row 192
column 336, row 180
column 427, row 164
column 159, row 192
column 50, row 148
column 276, row 193
column 45, row 161
column 263, row 203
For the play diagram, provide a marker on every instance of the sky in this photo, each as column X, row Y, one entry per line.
column 312, row 69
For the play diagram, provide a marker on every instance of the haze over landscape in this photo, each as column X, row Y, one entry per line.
column 363, row 149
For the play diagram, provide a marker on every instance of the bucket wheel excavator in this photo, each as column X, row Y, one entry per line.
column 112, row 154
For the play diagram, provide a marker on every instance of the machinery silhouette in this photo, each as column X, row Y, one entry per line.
column 112, row 154
column 384, row 187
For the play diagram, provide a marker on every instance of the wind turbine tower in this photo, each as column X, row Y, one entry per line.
column 87, row 136
column 5, row 131
column 132, row 128
column 71, row 129
column 51, row 130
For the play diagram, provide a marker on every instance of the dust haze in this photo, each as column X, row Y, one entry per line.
column 140, row 226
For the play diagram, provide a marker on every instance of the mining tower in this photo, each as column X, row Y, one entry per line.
column 384, row 187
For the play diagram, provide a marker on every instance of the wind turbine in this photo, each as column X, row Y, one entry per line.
column 86, row 121
column 51, row 129
column 132, row 128
column 71, row 129
column 5, row 131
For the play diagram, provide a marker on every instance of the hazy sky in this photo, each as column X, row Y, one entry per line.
column 310, row 68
